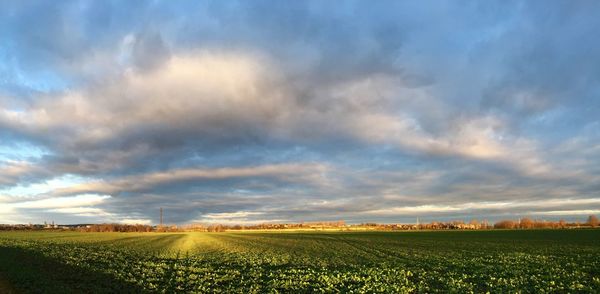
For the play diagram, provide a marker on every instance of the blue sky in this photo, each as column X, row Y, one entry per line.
column 256, row 111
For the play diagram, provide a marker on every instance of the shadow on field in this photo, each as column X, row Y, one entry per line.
column 5, row 287
column 31, row 272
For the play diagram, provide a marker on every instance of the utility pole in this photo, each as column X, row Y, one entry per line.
column 161, row 217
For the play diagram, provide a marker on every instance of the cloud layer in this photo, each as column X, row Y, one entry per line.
column 263, row 111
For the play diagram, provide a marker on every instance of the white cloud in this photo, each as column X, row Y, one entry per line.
column 63, row 202
column 17, row 209
column 200, row 88
column 236, row 218
column 470, row 207
column 83, row 211
column 42, row 187
column 134, row 221
column 566, row 212
column 232, row 215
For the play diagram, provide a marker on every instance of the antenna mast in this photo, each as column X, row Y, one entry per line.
column 161, row 217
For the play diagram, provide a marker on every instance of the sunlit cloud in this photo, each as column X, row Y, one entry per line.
column 63, row 202
column 238, row 217
column 566, row 212
column 479, row 207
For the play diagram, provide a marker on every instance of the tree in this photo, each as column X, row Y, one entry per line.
column 593, row 221
column 526, row 223
column 562, row 223
column 474, row 223
column 505, row 224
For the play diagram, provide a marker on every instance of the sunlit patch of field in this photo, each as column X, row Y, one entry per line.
column 400, row 262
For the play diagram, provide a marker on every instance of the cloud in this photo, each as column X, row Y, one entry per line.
column 585, row 212
column 82, row 206
column 63, row 202
column 235, row 218
column 133, row 221
column 311, row 111
column 82, row 211
column 481, row 207
column 218, row 99
column 18, row 210
column 15, row 172
column 145, row 182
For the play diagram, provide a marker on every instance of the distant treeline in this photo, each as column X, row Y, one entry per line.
column 264, row 226
column 116, row 228
column 527, row 223
column 81, row 228
column 523, row 223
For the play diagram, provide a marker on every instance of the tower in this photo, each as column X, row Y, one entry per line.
column 161, row 217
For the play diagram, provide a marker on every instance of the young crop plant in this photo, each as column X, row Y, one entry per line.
column 383, row 262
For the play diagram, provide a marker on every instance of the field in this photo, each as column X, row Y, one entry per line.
column 442, row 261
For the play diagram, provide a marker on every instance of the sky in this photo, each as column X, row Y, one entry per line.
column 240, row 112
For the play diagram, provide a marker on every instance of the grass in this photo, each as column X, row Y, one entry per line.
column 539, row 261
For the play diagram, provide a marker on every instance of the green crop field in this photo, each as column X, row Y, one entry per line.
column 450, row 261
